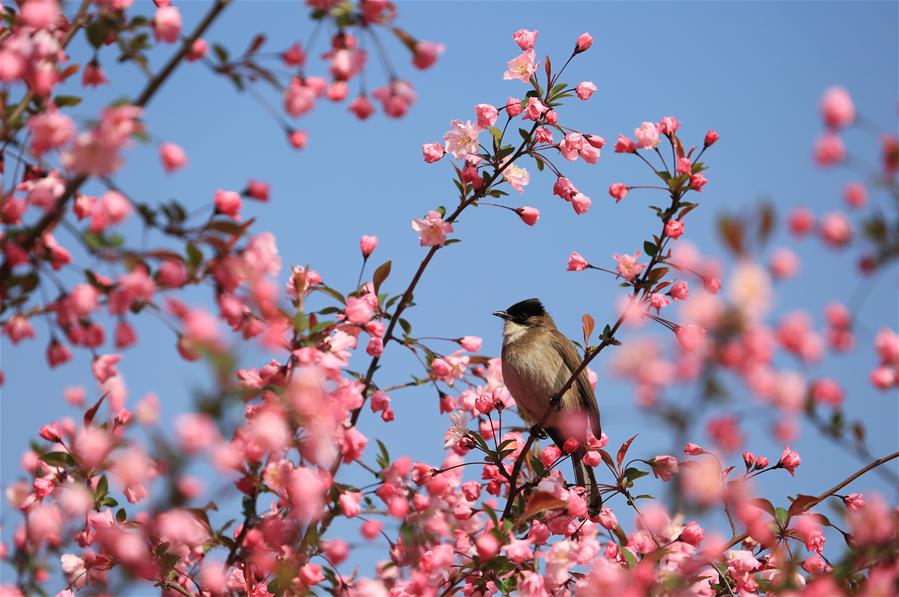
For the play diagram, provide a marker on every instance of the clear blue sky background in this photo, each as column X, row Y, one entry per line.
column 752, row 71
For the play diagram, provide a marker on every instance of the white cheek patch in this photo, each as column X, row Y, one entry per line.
column 513, row 331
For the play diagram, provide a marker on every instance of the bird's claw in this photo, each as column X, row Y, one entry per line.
column 537, row 431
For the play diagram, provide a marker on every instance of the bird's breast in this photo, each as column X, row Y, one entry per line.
column 532, row 375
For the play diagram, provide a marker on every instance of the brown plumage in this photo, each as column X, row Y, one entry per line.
column 537, row 361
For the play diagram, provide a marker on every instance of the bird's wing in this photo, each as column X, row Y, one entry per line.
column 587, row 398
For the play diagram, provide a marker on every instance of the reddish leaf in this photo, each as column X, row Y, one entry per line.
column 622, row 451
column 801, row 504
column 92, row 412
column 763, row 504
column 588, row 325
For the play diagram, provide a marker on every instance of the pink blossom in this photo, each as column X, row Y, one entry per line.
column 884, row 378
column 167, row 24
column 426, row 53
column 854, row 502
column 585, row 90
column 647, row 135
column 668, row 125
column 679, row 291
column 801, row 221
column 580, row 203
column 522, row 67
column 470, row 343
column 513, row 107
column 462, row 138
column 664, row 467
column 297, row 138
column 198, row 50
column 50, row 130
column 534, row 109
column 111, row 208
column 584, row 41
column 396, row 97
column 39, row 14
column 172, row 156
column 697, row 181
column 432, row 230
column 362, row 107
column 693, row 449
column 789, row 460
column 358, row 310
column 576, row 262
column 172, row 274
column 692, row 534
column 525, row 39
column 93, row 75
column 627, row 266
column 528, row 215
column 432, row 152
column 674, row 229
column 690, row 337
column 784, row 264
column 836, row 230
column 371, row 529
column 829, row 150
column 104, row 367
column 886, row 343
column 488, row 546
column 228, row 203
column 711, row 138
column 515, row 175
column 625, row 145
column 258, row 190
column 487, row 114
column 855, row 194
column 367, row 244
column 837, row 108
column 17, row 328
column 658, row 301
column 618, row 191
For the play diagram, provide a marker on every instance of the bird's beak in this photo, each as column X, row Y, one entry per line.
column 501, row 314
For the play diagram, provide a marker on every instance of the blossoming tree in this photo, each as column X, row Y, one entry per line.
column 101, row 505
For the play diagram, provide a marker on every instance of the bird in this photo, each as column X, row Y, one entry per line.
column 537, row 360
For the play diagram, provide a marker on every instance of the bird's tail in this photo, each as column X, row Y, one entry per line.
column 583, row 476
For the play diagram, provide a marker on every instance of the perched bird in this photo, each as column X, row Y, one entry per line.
column 537, row 361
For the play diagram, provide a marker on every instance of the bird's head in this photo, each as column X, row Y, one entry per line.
column 522, row 315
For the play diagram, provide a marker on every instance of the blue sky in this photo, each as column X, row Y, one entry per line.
column 753, row 71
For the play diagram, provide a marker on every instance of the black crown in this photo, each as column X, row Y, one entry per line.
column 526, row 309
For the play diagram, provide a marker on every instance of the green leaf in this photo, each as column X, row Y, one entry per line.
column 221, row 52
column 633, row 473
column 407, row 327
column 300, row 322
column 383, row 458
column 650, row 248
column 102, row 486
column 782, row 516
column 98, row 32
column 62, row 101
column 331, row 292
column 59, row 459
